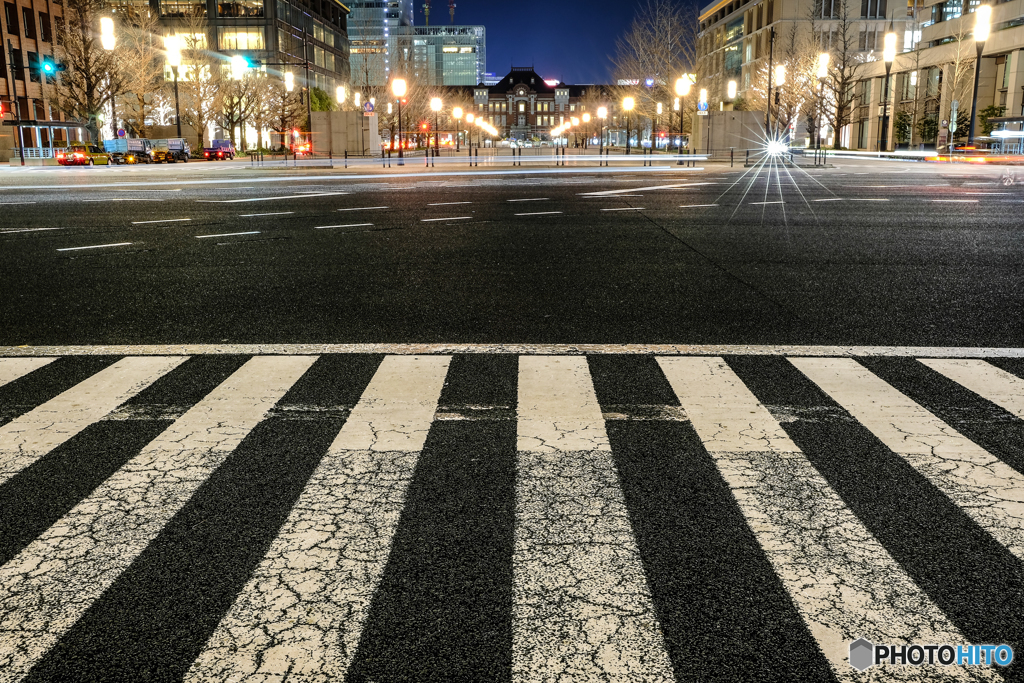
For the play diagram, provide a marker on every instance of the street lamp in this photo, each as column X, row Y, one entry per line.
column 982, row 27
column 289, row 81
column 586, row 119
column 657, row 123
column 780, row 80
column 457, row 113
column 435, row 105
column 339, row 95
column 682, row 90
column 702, row 101
column 823, row 60
column 470, row 117
column 107, row 38
column 731, row 90
column 889, row 55
column 602, row 113
column 398, row 90
column 628, row 104
column 172, row 45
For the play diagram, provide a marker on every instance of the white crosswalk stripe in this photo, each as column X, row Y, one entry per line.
column 36, row 433
column 13, row 368
column 844, row 583
column 987, row 489
column 48, row 586
column 581, row 603
column 581, row 612
column 302, row 613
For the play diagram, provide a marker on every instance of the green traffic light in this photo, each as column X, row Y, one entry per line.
column 48, row 67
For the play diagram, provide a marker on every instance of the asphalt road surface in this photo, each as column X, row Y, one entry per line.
column 631, row 426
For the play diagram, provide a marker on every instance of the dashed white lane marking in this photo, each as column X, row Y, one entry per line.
column 841, row 579
column 258, row 215
column 350, row 225
column 96, row 246
column 869, row 200
column 643, row 189
column 984, row 379
column 532, row 199
column 775, row 202
column 47, row 587
column 268, row 199
column 988, row 490
column 626, row 208
column 955, row 201
column 166, row 220
column 453, row 218
column 302, row 613
column 828, row 199
column 37, row 432
column 12, row 232
column 696, row 206
column 174, row 190
column 582, row 609
column 15, row 203
column 124, row 199
column 229, row 234
column 539, row 213
column 13, row 368
column 365, row 208
column 448, row 203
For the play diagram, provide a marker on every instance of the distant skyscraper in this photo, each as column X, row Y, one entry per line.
column 370, row 30
column 442, row 55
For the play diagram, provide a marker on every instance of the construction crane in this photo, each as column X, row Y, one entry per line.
column 426, row 11
column 451, row 10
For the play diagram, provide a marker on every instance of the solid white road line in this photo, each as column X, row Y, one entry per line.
column 988, row 490
column 352, row 225
column 268, row 199
column 13, row 368
column 628, row 208
column 301, row 615
column 984, row 379
column 14, row 203
column 167, row 220
column 47, row 587
column 539, row 213
column 96, row 246
column 643, row 189
column 582, row 609
column 448, row 203
column 454, row 218
column 533, row 199
column 518, row 349
column 365, row 208
column 842, row 581
column 258, row 215
column 229, row 234
column 37, row 432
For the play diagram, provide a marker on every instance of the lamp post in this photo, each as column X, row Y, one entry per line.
column 586, row 140
column 457, row 113
column 435, row 106
column 398, row 89
column 889, row 55
column 780, row 80
column 657, row 124
column 339, row 95
column 702, row 99
column 682, row 90
column 109, row 42
column 627, row 105
column 602, row 113
column 470, row 117
column 982, row 27
column 172, row 45
column 823, row 60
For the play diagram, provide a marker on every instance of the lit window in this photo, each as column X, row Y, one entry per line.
column 241, row 39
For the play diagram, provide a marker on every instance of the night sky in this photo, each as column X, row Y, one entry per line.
column 572, row 40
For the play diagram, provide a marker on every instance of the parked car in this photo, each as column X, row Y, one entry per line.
column 82, row 155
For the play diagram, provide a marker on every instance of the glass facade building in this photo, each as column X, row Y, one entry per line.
column 371, row 26
column 444, row 55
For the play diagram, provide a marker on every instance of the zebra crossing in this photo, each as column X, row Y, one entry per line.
column 372, row 517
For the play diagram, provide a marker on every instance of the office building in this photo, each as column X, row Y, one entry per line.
column 372, row 48
column 442, row 55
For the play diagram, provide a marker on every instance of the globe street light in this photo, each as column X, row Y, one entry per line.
column 628, row 104
column 731, row 90
column 107, row 38
column 457, row 113
column 682, row 90
column 889, row 56
column 398, row 90
column 339, row 95
column 982, row 27
column 435, row 105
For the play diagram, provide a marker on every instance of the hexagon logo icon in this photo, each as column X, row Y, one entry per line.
column 860, row 654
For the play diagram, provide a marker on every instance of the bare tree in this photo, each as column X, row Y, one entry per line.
column 93, row 76
column 201, row 76
column 285, row 108
column 843, row 73
column 141, row 66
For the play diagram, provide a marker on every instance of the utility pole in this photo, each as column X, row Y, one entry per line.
column 768, row 99
column 16, row 105
column 309, row 88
